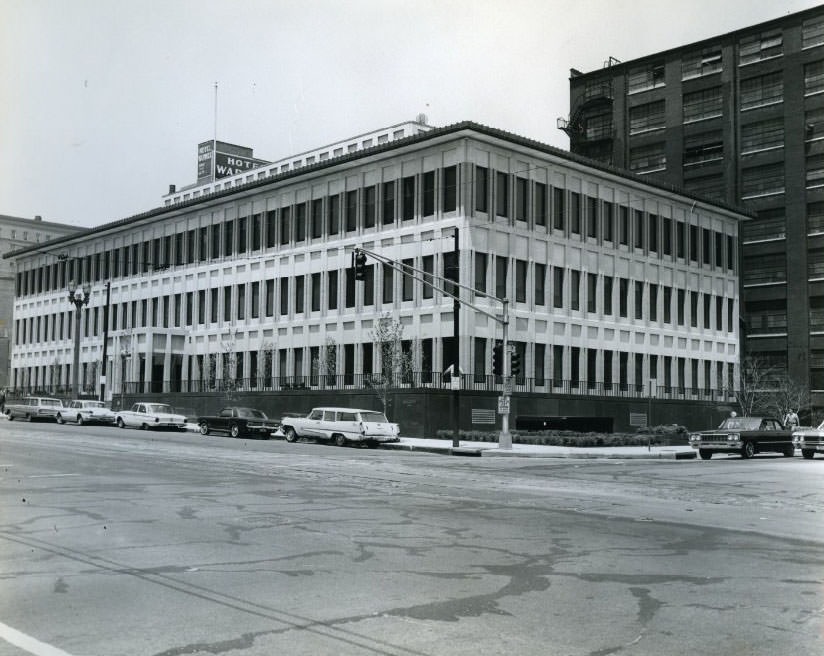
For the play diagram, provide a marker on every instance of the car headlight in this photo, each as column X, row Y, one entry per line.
column 733, row 437
column 695, row 437
column 798, row 439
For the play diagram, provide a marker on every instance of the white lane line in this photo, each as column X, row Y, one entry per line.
column 50, row 475
column 29, row 644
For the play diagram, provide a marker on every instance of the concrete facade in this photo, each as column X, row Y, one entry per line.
column 252, row 283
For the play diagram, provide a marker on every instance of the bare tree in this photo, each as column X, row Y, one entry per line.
column 326, row 363
column 228, row 368
column 787, row 394
column 396, row 363
column 756, row 380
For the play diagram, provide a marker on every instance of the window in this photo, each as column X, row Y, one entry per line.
column 388, row 202
column 557, row 364
column 608, row 295
column 648, row 158
column 228, row 238
column 449, row 190
column 558, row 208
column 667, row 304
column 646, row 76
column 285, row 225
column 317, row 218
column 607, row 217
column 623, row 297
column 270, row 298
column 557, row 287
column 271, row 228
column 598, row 126
column 639, row 299
column 256, row 231
column 300, row 222
column 694, row 243
column 719, row 313
column 592, row 217
column 762, row 90
column 300, row 293
column 481, row 188
column 623, row 224
column 520, row 281
column 501, row 266
column 762, row 135
column 815, row 218
column 332, row 280
column 652, row 224
column 428, row 266
column 763, row 180
column 764, row 269
column 480, row 271
column 703, row 147
column 407, row 293
column 369, row 207
column 706, row 246
column 592, row 291
column 719, row 249
column 284, row 296
column 521, row 199
column 575, row 212
column 501, row 194
column 703, row 104
column 540, row 284
column 707, row 309
column 815, row 172
column 644, row 118
column 333, row 215
column 429, row 193
column 704, row 62
column 813, row 78
column 255, row 299
column 408, row 199
column 638, row 232
column 241, row 301
column 388, row 282
column 575, row 289
column 757, row 47
column 316, row 292
column 812, row 32
column 351, row 211
column 242, row 238
column 540, row 204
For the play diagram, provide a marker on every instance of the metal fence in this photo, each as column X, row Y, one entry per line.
column 412, row 380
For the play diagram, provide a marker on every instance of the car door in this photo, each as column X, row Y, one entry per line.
column 224, row 419
column 348, row 424
column 313, row 424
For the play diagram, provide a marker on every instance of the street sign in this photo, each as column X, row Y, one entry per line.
column 503, row 405
column 508, row 385
column 638, row 419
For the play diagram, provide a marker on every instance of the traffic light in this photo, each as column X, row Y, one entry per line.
column 498, row 359
column 515, row 363
column 360, row 266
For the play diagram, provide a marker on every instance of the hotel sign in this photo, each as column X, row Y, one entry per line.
column 224, row 160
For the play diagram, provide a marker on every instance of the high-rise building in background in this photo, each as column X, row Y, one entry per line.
column 739, row 118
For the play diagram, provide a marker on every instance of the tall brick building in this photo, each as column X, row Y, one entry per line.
column 740, row 118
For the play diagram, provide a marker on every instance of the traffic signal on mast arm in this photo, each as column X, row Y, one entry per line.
column 515, row 363
column 498, row 359
column 360, row 266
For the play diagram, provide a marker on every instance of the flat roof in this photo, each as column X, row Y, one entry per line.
column 420, row 138
column 773, row 22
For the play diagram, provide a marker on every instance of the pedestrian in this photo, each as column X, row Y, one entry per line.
column 2, row 401
column 791, row 419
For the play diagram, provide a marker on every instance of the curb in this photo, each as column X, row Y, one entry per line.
column 496, row 453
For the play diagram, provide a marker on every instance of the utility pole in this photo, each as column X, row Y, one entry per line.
column 78, row 296
column 505, row 438
column 105, row 340
column 456, row 332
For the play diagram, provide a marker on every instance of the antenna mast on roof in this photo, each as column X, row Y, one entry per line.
column 214, row 141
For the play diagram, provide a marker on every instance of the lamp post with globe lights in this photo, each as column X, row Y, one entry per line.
column 78, row 296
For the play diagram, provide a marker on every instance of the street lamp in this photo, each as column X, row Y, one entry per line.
column 78, row 296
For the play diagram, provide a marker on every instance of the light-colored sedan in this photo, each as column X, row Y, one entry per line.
column 83, row 411
column 151, row 415
column 810, row 440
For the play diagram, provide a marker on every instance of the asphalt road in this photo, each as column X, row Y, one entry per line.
column 130, row 542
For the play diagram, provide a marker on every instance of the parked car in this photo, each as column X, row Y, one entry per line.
column 809, row 440
column 151, row 415
column 744, row 435
column 83, row 411
column 342, row 426
column 238, row 421
column 31, row 408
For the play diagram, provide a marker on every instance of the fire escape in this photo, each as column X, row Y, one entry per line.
column 590, row 127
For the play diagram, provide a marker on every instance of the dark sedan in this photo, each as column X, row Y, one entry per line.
column 237, row 422
column 746, row 436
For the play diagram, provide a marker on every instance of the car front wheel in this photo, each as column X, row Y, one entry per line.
column 340, row 440
column 705, row 455
column 748, row 450
column 291, row 435
column 789, row 452
column 121, row 423
column 80, row 420
column 808, row 454
column 59, row 418
column 204, row 428
column 234, row 430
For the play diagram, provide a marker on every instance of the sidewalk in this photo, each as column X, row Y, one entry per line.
column 491, row 450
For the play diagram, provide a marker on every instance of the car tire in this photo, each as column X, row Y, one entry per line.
column 372, row 444
column 290, row 434
column 59, row 418
column 705, row 454
column 10, row 415
column 29, row 418
column 80, row 420
column 340, row 440
column 120, row 423
column 234, row 430
column 144, row 426
column 789, row 452
column 204, row 428
column 808, row 454
column 748, row 450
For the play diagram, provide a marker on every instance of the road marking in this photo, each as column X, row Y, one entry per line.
column 29, row 644
column 50, row 475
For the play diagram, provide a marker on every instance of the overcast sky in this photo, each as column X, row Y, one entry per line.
column 104, row 102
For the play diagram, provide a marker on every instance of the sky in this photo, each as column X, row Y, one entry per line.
column 103, row 102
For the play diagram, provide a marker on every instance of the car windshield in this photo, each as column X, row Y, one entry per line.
column 374, row 416
column 742, row 423
column 250, row 413
column 93, row 404
column 158, row 407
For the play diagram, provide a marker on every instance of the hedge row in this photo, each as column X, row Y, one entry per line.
column 655, row 435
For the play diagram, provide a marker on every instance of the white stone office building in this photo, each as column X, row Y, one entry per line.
column 612, row 279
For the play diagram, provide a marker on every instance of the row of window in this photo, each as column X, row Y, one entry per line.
column 707, row 61
column 579, row 366
column 567, row 288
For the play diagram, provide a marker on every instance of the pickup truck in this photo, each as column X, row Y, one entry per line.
column 809, row 440
column 744, row 435
column 151, row 415
column 341, row 426
column 238, row 421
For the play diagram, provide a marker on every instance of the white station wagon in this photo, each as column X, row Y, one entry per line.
column 151, row 415
column 34, row 407
column 342, row 426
